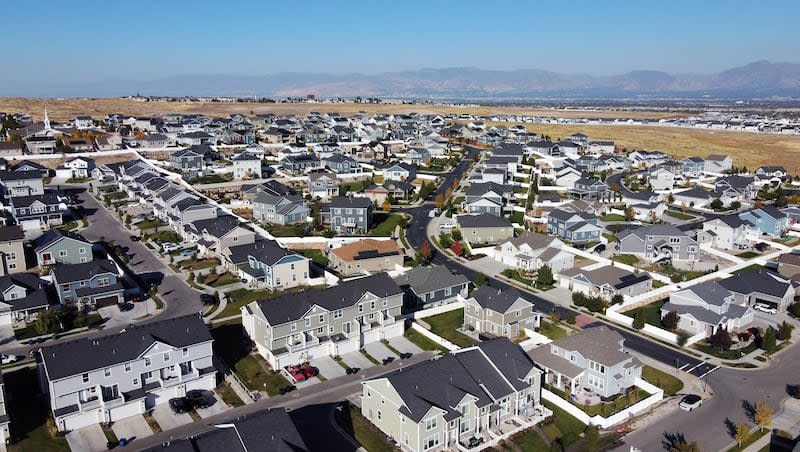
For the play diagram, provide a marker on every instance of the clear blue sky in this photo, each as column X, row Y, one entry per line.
column 77, row 40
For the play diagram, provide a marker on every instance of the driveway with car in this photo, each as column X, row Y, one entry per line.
column 356, row 359
column 167, row 419
column 328, row 367
column 379, row 351
column 216, row 407
column 131, row 428
column 90, row 438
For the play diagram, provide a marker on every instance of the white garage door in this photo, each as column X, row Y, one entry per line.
column 128, row 410
column 372, row 336
column 5, row 318
column 347, row 347
column 82, row 420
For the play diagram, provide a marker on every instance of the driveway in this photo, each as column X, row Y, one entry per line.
column 132, row 428
column 487, row 265
column 403, row 345
column 167, row 419
column 379, row 351
column 124, row 318
column 309, row 382
column 215, row 408
column 356, row 359
column 328, row 367
column 91, row 439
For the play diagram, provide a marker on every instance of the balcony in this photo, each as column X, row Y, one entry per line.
column 113, row 402
column 303, row 345
column 89, row 404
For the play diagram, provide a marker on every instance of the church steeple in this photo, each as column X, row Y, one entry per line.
column 46, row 120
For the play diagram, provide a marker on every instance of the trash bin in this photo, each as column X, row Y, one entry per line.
column 123, row 442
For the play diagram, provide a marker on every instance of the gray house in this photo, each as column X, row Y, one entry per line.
column 94, row 283
column 341, row 164
column 576, row 227
column 109, row 378
column 323, row 185
column 299, row 163
column 266, row 264
column 21, row 296
column 441, row 404
column 594, row 358
column 496, row 312
column 605, row 282
column 350, row 215
column 37, row 211
column 486, row 198
column 761, row 287
column 62, row 247
column 428, row 287
column 301, row 326
column 485, row 228
column 589, row 188
column 21, row 183
column 187, row 160
column 246, row 165
column 659, row 241
column 285, row 209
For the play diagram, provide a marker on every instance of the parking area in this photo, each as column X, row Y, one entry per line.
column 379, row 351
column 328, row 367
column 89, row 438
column 309, row 382
column 167, row 419
column 356, row 359
column 216, row 407
column 403, row 345
column 487, row 265
column 117, row 317
column 131, row 428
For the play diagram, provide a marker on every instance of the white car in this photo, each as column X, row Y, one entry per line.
column 447, row 226
column 169, row 247
column 765, row 308
column 690, row 402
column 9, row 359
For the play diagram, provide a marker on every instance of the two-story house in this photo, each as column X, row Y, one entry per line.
column 705, row 307
column 341, row 164
column 728, row 232
column 718, row 164
column 22, row 295
column 605, row 282
column 94, row 283
column 768, row 220
column 692, row 166
column 400, row 171
column 215, row 234
column 789, row 263
column 284, row 209
column 577, row 227
column 126, row 373
column 589, row 188
column 323, row 185
column 188, row 161
column 734, row 188
column 761, row 286
column 593, row 358
column 21, row 183
column 661, row 179
column 350, row 215
column 246, row 166
column 301, row 326
column 656, row 242
column 81, row 167
column 62, row 247
column 297, row 164
column 366, row 256
column 265, row 264
column 495, row 312
column 485, row 228
column 428, row 287
column 488, row 198
column 12, row 250
column 37, row 211
column 531, row 251
column 441, row 404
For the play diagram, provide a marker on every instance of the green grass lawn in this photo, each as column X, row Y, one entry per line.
column 68, row 226
column 628, row 259
column 227, row 394
column 445, row 325
column 612, row 217
column 355, row 186
column 165, row 237
column 747, row 269
column 514, row 274
column 657, row 284
column 240, row 297
column 530, row 441
column 287, row 230
column 679, row 215
column 385, row 224
column 552, row 331
column 753, row 437
column 610, row 237
column 518, row 217
column 423, row 342
column 228, row 346
column 198, row 264
column 652, row 312
column 147, row 224
column 669, row 383
column 360, row 428
column 314, row 255
column 704, row 347
column 747, row 255
column 563, row 425
column 29, row 412
column 209, row 179
column 28, row 331
column 220, row 280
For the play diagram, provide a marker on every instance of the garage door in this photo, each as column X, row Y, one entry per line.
column 372, row 336
column 5, row 319
column 107, row 301
column 347, row 346
column 81, row 420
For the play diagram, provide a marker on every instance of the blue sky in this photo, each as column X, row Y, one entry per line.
column 74, row 41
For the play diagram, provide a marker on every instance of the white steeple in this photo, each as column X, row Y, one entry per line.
column 46, row 120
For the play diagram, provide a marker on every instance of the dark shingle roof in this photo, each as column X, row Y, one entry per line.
column 350, row 202
column 55, row 235
column 497, row 300
column 757, row 281
column 266, row 251
column 80, row 272
column 482, row 221
column 428, row 279
column 11, row 233
column 218, row 226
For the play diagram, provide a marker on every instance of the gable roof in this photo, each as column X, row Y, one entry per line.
column 11, row 233
column 80, row 272
column 428, row 279
column 496, row 299
column 350, row 202
column 217, row 227
column 599, row 344
column 482, row 221
column 757, row 281
column 533, row 240
column 266, row 251
column 54, row 235
column 615, row 277
column 367, row 249
column 710, row 292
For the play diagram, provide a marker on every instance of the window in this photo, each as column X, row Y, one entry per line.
column 166, row 356
column 103, row 282
column 430, row 424
column 62, row 253
column 85, row 378
column 372, row 304
column 127, row 367
column 107, row 372
column 361, row 308
column 12, row 255
column 135, row 382
column 337, row 314
column 147, row 362
column 447, row 292
column 379, row 415
column 185, row 351
column 431, row 441
column 82, row 251
column 294, row 326
column 518, row 312
column 12, row 266
column 307, row 321
column 321, row 318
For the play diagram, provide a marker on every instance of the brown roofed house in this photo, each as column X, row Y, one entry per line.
column 366, row 255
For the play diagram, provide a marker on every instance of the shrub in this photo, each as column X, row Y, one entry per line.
column 638, row 320
column 670, row 321
column 768, row 341
column 617, row 299
column 682, row 338
column 571, row 318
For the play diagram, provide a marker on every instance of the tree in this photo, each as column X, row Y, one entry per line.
column 721, row 339
column 741, row 434
column 785, row 331
column 387, row 205
column 456, row 234
column 768, row 342
column 716, row 204
column 670, row 198
column 480, row 279
column 629, row 215
column 535, row 185
column 571, row 317
column 794, row 309
column 439, row 200
column 763, row 415
column 638, row 320
column 736, row 205
column 591, row 434
column 545, row 276
column 680, row 445
column 46, row 322
column 617, row 299
column 424, row 253
column 457, row 249
column 670, row 321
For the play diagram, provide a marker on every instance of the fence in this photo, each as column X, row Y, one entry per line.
column 458, row 304
column 435, row 338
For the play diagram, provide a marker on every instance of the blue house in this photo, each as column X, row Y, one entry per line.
column 341, row 164
column 575, row 227
column 94, row 284
column 768, row 219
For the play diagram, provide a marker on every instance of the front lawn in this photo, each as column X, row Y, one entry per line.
column 706, row 348
column 357, row 426
column 628, row 259
column 652, row 312
column 93, row 320
column 612, row 217
column 530, row 441
column 209, row 179
column 679, row 215
column 165, row 237
column 445, row 325
column 562, row 425
column 748, row 255
column 198, row 264
column 386, row 224
column 516, row 276
column 219, row 280
column 518, row 218
column 227, row 394
column 228, row 345
column 287, row 230
column 314, row 255
column 669, row 383
column 30, row 412
column 751, row 438
column 148, row 224
column 747, row 269
column 552, row 331
column 240, row 297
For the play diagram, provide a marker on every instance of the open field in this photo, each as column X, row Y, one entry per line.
column 63, row 109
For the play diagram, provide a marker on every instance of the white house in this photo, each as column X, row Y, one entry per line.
column 531, row 251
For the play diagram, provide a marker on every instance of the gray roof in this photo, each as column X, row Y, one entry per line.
column 666, row 230
column 245, row 156
column 82, row 355
column 217, row 227
column 293, row 306
column 80, row 272
column 54, row 235
column 616, row 277
column 497, row 300
column 479, row 189
column 11, row 233
column 29, row 281
column 544, row 357
column 704, row 315
column 266, row 251
column 711, row 292
column 482, row 221
column 758, row 282
column 599, row 344
column 428, row 279
column 350, row 202
column 49, row 198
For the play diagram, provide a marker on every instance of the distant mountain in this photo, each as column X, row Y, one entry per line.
column 761, row 78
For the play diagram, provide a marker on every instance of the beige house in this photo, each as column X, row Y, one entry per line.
column 605, row 282
column 495, row 312
column 215, row 234
column 441, row 404
column 789, row 264
column 485, row 228
column 366, row 255
column 530, row 251
column 12, row 250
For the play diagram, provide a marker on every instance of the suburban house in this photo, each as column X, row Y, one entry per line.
column 704, row 307
column 265, row 264
column 494, row 175
column 658, row 241
column 187, row 161
column 605, row 282
column 62, row 247
column 323, row 185
column 661, row 179
column 366, row 256
column 484, row 228
column 768, row 220
column 298, row 327
column 589, row 188
column 400, row 171
column 12, row 250
column 761, row 286
column 394, row 188
column 109, row 378
column 576, row 227
column 789, row 263
column 475, row 391
column 428, row 287
column 567, row 176
column 37, row 211
column 716, row 163
column 94, row 283
column 216, row 234
column 341, row 164
column 728, row 232
column 486, row 198
column 23, row 295
column 594, row 358
column 771, row 174
column 21, row 183
column 694, row 197
column 246, row 166
column 530, row 251
column 81, row 167
column 692, row 166
column 494, row 312
column 350, row 215
column 283, row 209
column 734, row 188
column 652, row 212
column 297, row 164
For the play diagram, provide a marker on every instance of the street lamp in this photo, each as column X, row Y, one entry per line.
column 233, row 426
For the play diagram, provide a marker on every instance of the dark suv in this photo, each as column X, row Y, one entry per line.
column 198, row 399
column 180, row 405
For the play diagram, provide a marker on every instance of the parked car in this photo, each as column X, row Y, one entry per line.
column 599, row 248
column 188, row 252
column 405, row 355
column 301, row 373
column 180, row 405
column 352, row 370
column 10, row 359
column 287, row 389
column 169, row 247
column 198, row 399
column 124, row 307
column 135, row 238
column 763, row 307
column 690, row 402
column 207, row 299
column 388, row 360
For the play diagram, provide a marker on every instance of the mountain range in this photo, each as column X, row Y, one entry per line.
column 758, row 79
